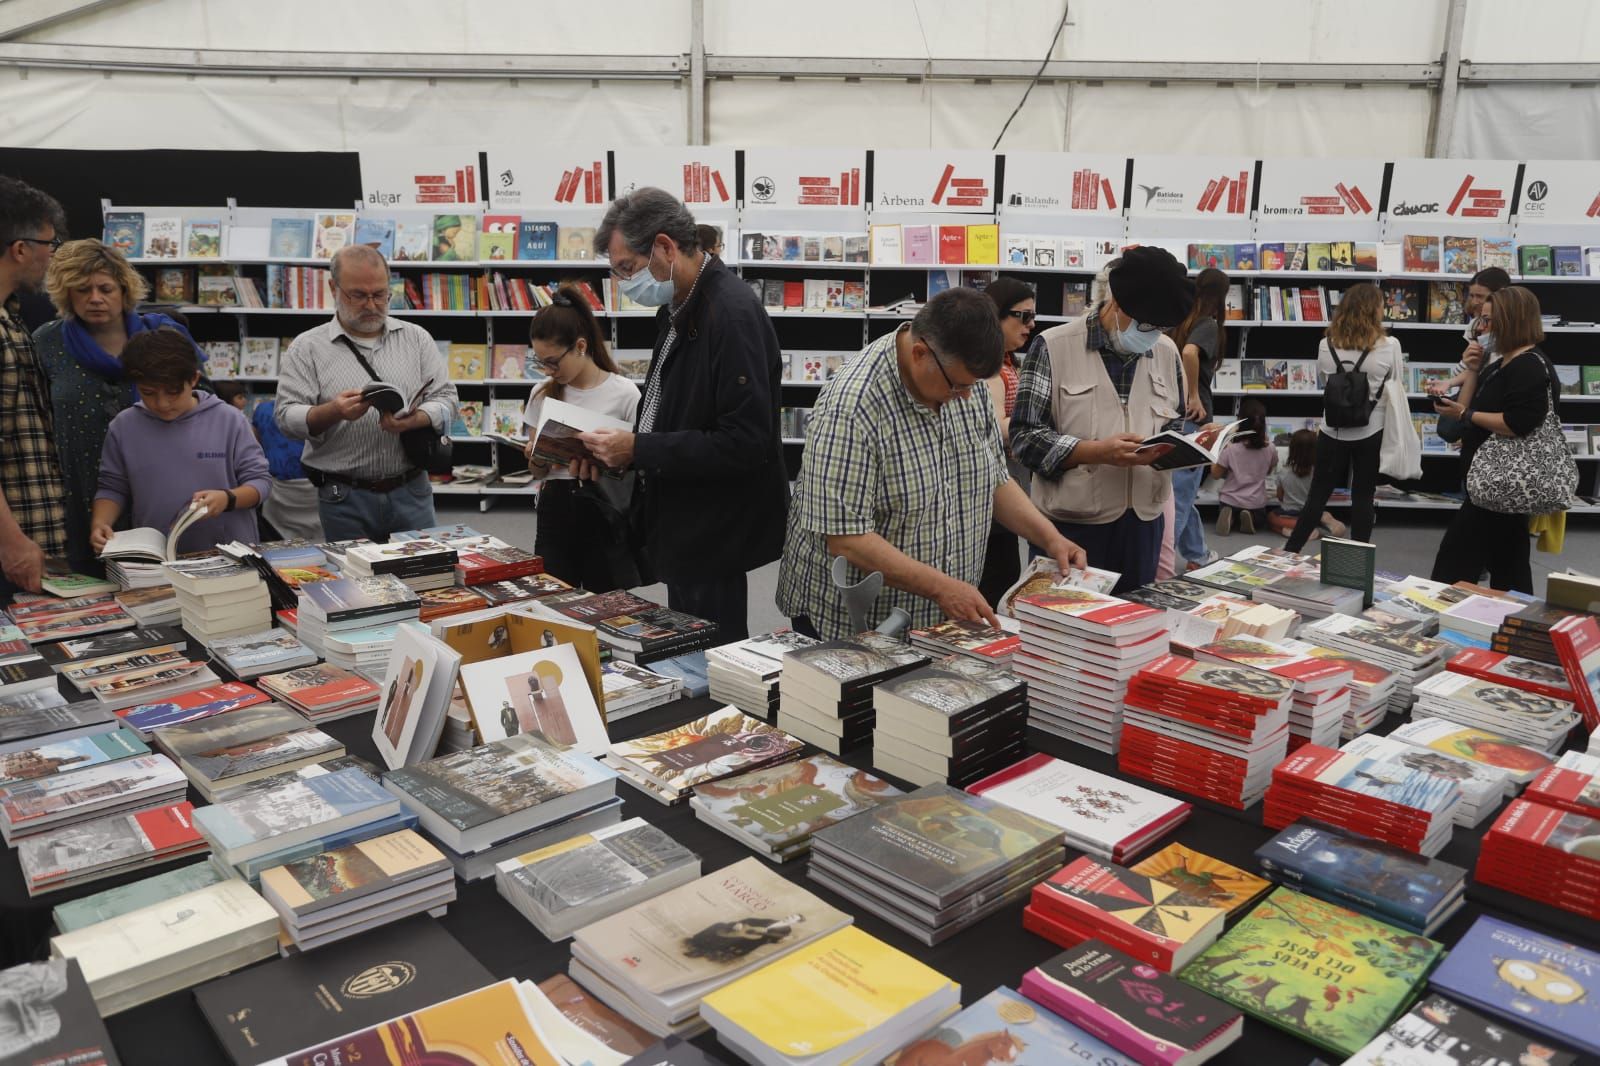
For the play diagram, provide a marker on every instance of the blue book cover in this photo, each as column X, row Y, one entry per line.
column 125, row 232
column 1005, row 1027
column 536, row 240
column 1361, row 872
column 1536, row 981
column 1568, row 260
column 378, row 233
column 258, row 818
column 290, row 238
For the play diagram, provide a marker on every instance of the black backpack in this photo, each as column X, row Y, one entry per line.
column 1347, row 398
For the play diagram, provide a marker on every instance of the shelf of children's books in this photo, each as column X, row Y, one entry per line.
column 803, row 264
column 843, row 316
column 1267, row 275
column 176, row 262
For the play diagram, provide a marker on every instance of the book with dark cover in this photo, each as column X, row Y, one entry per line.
column 1441, row 1032
column 25, row 720
column 938, row 844
column 952, row 693
column 51, row 1019
column 295, row 1002
column 1328, row 975
column 1131, row 1006
column 1350, row 564
column 854, row 663
column 1362, row 873
column 64, row 653
column 1541, row 983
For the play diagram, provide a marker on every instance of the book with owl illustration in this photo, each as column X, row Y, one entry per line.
column 1537, row 981
column 543, row 693
column 1330, row 976
column 776, row 809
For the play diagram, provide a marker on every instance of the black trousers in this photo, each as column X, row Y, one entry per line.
column 723, row 600
column 573, row 538
column 1002, row 564
column 1352, row 462
column 1479, row 540
column 1128, row 544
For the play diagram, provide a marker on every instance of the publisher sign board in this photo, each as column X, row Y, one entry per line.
column 1452, row 190
column 1560, row 191
column 933, row 181
column 1204, row 187
column 425, row 177
column 1065, row 183
column 546, row 176
column 806, row 178
column 702, row 176
column 1334, row 190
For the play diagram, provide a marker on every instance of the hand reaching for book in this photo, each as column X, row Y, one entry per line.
column 1122, row 449
column 963, row 602
column 99, row 534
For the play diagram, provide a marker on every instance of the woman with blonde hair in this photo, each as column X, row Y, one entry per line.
column 1348, row 454
column 95, row 291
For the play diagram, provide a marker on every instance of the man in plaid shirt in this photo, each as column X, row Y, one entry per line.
column 32, row 514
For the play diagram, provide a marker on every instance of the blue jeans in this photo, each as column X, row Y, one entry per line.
column 348, row 513
column 1189, row 538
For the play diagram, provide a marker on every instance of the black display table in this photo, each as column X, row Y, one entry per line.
column 995, row 952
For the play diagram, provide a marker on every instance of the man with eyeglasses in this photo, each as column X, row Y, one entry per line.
column 366, row 486
column 902, row 472
column 32, row 509
column 1104, row 383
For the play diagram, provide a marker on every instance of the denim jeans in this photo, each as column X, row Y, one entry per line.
column 1189, row 538
column 348, row 513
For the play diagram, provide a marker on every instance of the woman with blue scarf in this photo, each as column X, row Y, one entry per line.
column 95, row 290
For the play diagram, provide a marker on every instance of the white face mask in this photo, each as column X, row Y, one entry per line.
column 1133, row 340
column 644, row 289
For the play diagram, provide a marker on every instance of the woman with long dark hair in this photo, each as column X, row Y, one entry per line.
column 574, row 536
column 1202, row 340
column 1014, row 303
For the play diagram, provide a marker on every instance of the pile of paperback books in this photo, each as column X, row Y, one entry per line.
column 952, row 721
column 1321, row 685
column 1521, row 763
column 106, row 847
column 956, row 637
column 1538, row 721
column 1545, row 854
column 248, row 744
column 1411, row 658
column 1384, row 798
column 352, row 603
column 46, row 804
column 421, row 564
column 667, row 766
column 322, row 692
column 1513, row 670
column 776, row 810
column 746, row 672
column 219, row 597
column 825, row 690
column 1483, row 787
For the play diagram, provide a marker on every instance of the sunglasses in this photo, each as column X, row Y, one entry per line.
column 1025, row 317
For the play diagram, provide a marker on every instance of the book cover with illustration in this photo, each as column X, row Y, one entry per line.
column 1003, row 1027
column 706, row 749
column 1441, row 1032
column 587, row 868
column 1328, row 975
column 781, row 806
column 543, row 694
column 1134, row 912
column 470, row 788
column 334, row 877
column 1201, row 877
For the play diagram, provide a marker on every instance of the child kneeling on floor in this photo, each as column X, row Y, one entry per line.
column 1243, row 467
column 1294, row 479
column 176, row 448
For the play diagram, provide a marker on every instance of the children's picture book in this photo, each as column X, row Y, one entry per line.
column 377, row 234
column 290, row 238
column 330, row 231
column 412, row 241
column 1460, row 255
column 124, row 231
column 499, row 239
column 162, row 237
column 455, row 240
column 536, row 240
column 1421, row 254
column 202, row 238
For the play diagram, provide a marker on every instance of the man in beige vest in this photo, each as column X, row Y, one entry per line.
column 1104, row 383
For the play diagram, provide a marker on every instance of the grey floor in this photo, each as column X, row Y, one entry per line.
column 1406, row 543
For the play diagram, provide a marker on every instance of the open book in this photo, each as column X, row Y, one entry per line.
column 1202, row 446
column 390, row 400
column 556, row 440
column 148, row 545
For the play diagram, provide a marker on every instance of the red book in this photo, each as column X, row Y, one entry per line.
column 953, row 244
column 1568, row 789
column 1310, row 305
column 794, row 294
column 1577, row 643
column 1527, row 823
column 1149, row 919
column 191, row 706
column 1512, row 671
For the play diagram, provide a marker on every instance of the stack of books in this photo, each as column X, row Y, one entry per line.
column 46, row 804
column 1541, row 722
column 953, row 721
column 486, row 560
column 1208, row 729
column 501, row 799
column 150, row 684
column 1545, row 854
column 630, row 689
column 566, row 886
column 1526, row 978
column 266, row 652
column 745, row 673
column 636, row 629
column 190, row 707
column 847, row 997
column 110, row 902
column 521, row 589
column 1151, row 919
column 47, row 620
column 1528, row 674
column 1104, row 816
column 420, row 564
column 175, row 944
column 107, row 847
column 323, row 692
column 1476, row 619
column 1383, row 798
column 1443, row 1032
column 1527, row 633
column 345, row 891
column 935, row 861
column 1387, row 964
column 1303, row 592
column 654, row 962
column 152, row 606
column 1572, row 784
column 57, row 1018
column 955, row 637
column 1577, row 643
column 362, row 651
column 449, row 600
column 825, row 690
column 1321, row 685
column 50, row 755
column 296, row 810
column 1483, row 788
column 1371, row 686
column 1366, row 875
column 667, row 766
column 352, row 603
column 219, row 597
column 1079, row 648
column 1103, row 992
column 114, row 667
column 1520, row 763
column 225, row 751
column 84, row 651
column 776, row 810
column 1412, row 659
column 1199, row 614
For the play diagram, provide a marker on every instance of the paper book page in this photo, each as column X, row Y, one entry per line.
column 132, row 543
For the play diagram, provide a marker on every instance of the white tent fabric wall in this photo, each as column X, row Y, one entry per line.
column 1527, row 122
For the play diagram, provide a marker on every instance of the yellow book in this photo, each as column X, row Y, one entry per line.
column 469, row 362
column 841, row 988
column 983, row 245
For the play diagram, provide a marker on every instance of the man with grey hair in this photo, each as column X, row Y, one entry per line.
column 712, row 490
column 366, row 486
column 903, row 470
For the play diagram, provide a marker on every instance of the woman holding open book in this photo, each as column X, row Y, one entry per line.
column 577, row 533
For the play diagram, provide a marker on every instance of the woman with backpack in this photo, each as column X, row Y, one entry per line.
column 1356, row 358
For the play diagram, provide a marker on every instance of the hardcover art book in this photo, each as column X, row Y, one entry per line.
column 543, row 694
column 777, row 809
column 705, row 749
column 1441, row 1032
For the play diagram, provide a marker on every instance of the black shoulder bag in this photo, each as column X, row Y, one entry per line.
column 423, row 447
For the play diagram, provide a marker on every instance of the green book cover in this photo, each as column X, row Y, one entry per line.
column 783, row 805
column 1350, row 564
column 124, row 898
column 1591, row 379
column 1534, row 259
column 1328, row 975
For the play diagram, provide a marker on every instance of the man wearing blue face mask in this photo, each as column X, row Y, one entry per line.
column 1106, row 382
column 712, row 494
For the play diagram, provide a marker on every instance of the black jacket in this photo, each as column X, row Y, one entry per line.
column 716, row 489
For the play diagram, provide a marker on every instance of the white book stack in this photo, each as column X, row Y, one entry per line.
column 630, row 689
column 746, row 672
column 219, row 597
column 1541, row 722
column 357, row 650
column 1483, row 787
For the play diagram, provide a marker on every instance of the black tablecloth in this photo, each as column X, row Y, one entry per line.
column 995, row 952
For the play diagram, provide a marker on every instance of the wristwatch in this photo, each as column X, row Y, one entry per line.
column 233, row 501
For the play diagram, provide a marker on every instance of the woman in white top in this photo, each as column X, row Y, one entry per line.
column 1349, row 455
column 579, row 542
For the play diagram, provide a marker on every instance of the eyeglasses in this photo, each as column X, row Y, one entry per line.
column 54, row 243
column 357, row 297
column 553, row 365
column 938, row 361
column 1025, row 317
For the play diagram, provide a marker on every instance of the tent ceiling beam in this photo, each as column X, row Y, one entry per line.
column 18, row 17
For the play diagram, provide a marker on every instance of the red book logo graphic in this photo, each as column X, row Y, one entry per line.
column 1594, row 206
column 821, row 191
column 1478, row 203
column 959, row 192
column 700, row 182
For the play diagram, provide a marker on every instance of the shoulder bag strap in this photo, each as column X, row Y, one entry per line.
column 356, row 351
column 1363, row 358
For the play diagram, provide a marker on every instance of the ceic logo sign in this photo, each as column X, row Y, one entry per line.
column 1538, row 190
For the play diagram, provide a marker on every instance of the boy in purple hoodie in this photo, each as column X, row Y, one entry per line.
column 173, row 448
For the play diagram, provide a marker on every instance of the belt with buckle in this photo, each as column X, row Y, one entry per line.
column 382, row 484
